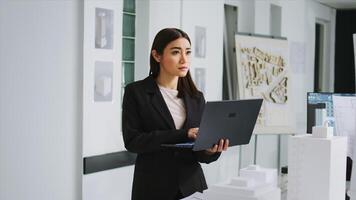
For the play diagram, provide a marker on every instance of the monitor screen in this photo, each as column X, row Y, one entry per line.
column 321, row 100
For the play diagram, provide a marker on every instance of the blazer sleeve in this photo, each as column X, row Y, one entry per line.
column 201, row 156
column 135, row 138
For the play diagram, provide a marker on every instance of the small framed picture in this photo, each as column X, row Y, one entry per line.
column 200, row 42
column 103, row 81
column 104, row 28
column 199, row 75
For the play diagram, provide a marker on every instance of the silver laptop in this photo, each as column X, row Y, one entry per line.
column 233, row 120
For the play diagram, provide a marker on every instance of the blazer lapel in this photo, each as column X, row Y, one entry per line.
column 158, row 102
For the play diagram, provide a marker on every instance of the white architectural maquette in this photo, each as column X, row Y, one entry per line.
column 254, row 183
column 316, row 168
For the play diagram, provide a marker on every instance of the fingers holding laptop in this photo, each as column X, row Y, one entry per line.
column 222, row 146
column 193, row 133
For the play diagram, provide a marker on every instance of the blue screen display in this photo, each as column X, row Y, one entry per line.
column 327, row 99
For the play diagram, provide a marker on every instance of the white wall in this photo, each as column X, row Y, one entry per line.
column 246, row 15
column 211, row 16
column 114, row 184
column 293, row 27
column 152, row 16
column 101, row 120
column 163, row 14
column 40, row 104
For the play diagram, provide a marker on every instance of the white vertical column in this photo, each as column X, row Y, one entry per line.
column 316, row 168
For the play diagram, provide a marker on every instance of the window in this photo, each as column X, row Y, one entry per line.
column 128, row 43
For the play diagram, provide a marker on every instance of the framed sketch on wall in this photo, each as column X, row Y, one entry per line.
column 200, row 42
column 104, row 28
column 263, row 72
column 199, row 78
column 103, row 79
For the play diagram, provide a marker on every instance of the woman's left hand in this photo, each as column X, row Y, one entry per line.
column 223, row 145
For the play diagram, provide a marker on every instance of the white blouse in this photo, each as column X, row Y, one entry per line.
column 175, row 105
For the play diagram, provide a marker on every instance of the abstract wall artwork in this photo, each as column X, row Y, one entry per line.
column 263, row 72
column 103, row 76
column 104, row 28
column 200, row 42
column 199, row 79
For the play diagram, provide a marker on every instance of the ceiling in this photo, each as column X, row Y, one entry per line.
column 339, row 4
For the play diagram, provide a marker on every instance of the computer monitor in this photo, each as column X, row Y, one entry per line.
column 321, row 100
column 315, row 101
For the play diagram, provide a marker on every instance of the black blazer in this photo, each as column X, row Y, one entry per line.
column 160, row 173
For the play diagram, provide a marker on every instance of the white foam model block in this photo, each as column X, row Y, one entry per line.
column 262, row 175
column 322, row 131
column 240, row 191
column 271, row 194
column 320, row 116
column 103, row 86
column 242, row 182
column 316, row 168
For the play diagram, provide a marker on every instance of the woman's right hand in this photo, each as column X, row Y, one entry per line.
column 193, row 133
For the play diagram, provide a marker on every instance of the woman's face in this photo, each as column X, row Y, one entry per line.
column 175, row 60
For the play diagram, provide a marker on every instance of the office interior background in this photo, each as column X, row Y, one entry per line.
column 58, row 141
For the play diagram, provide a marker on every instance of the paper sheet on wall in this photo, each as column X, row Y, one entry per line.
column 345, row 118
column 297, row 57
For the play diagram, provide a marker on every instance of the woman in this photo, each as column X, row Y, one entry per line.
column 164, row 108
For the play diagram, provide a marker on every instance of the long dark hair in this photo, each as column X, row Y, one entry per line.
column 162, row 39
